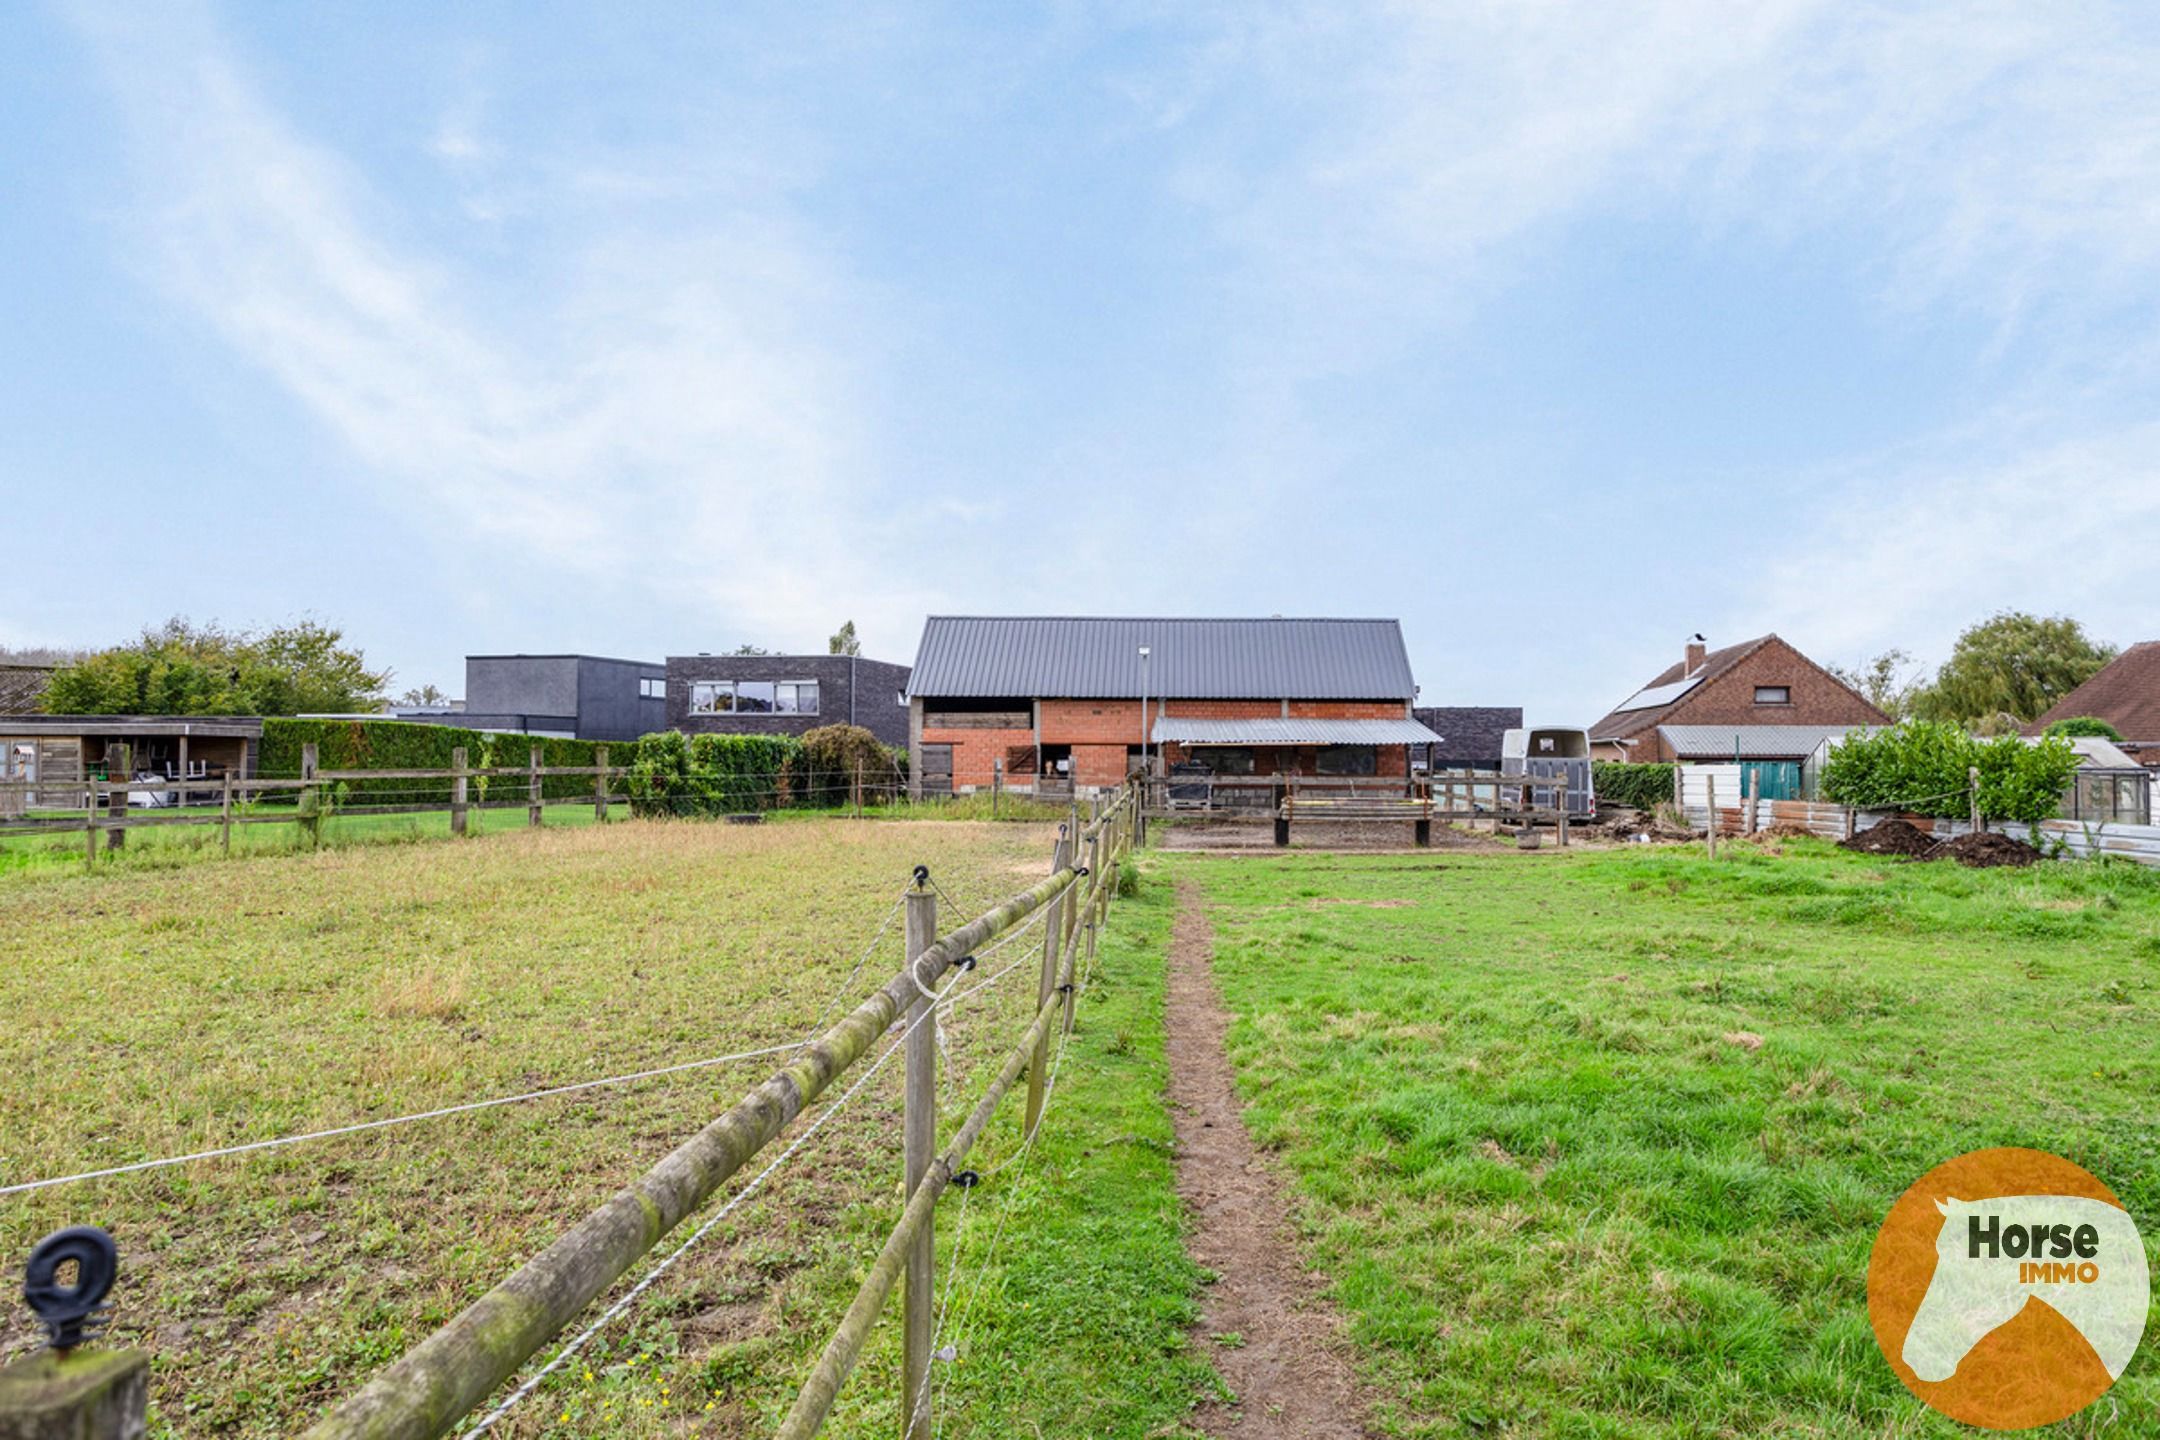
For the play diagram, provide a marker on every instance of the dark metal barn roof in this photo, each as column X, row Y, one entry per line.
column 1058, row 657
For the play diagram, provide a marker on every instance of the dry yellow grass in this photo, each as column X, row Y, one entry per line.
column 164, row 1011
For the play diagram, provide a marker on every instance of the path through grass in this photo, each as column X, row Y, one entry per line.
column 1596, row 1145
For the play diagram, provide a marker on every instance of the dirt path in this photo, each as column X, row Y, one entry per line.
column 1289, row 1373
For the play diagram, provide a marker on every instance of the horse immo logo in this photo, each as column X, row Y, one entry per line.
column 2008, row 1288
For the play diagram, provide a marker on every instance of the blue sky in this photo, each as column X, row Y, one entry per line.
column 1557, row 330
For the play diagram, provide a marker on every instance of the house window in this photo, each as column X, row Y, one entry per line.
column 1226, row 759
column 652, row 689
column 712, row 697
column 1348, row 760
column 795, row 697
column 1773, row 694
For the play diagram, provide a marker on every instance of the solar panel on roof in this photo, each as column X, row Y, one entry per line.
column 1658, row 695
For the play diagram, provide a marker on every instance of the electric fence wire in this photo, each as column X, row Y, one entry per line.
column 467, row 1107
column 585, row 1336
column 961, row 1331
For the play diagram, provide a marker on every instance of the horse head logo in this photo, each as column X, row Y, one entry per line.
column 2081, row 1257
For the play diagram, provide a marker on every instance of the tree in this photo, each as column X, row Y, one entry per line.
column 1886, row 682
column 749, row 650
column 843, row 641
column 2009, row 668
column 180, row 668
column 424, row 697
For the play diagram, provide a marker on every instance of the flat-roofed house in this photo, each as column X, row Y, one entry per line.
column 1052, row 702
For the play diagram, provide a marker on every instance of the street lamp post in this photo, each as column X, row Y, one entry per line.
column 1143, row 712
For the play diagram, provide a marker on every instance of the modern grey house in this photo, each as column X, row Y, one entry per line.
column 584, row 697
column 786, row 695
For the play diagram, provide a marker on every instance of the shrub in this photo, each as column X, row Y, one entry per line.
column 1642, row 786
column 831, row 757
column 2084, row 725
column 1128, row 880
column 1923, row 766
column 677, row 774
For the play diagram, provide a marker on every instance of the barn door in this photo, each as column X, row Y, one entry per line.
column 937, row 769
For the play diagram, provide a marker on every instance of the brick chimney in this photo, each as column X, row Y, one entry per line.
column 1698, row 650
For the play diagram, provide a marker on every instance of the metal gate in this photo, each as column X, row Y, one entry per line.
column 1779, row 779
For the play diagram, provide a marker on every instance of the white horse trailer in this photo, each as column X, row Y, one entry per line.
column 1555, row 752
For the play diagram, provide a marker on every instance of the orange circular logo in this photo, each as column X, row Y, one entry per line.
column 2008, row 1288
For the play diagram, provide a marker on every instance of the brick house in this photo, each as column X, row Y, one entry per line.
column 1060, row 702
column 1762, row 682
column 2126, row 693
column 785, row 695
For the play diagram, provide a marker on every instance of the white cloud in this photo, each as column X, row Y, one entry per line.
column 1909, row 551
column 672, row 413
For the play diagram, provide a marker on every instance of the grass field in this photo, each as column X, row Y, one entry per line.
column 157, row 1010
column 153, row 845
column 1560, row 1191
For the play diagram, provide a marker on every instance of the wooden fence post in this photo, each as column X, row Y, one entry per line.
column 1560, row 807
column 1710, row 800
column 532, row 787
column 90, row 824
column 458, row 783
column 1053, row 934
column 79, row 1394
column 919, row 1143
column 858, row 787
column 225, row 812
column 600, row 795
column 1972, row 783
column 1754, row 801
column 1074, row 917
column 310, row 797
column 997, row 784
column 116, row 801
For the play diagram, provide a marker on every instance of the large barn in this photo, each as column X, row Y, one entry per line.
column 1046, row 704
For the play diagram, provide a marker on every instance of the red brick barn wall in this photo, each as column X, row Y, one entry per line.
column 973, row 751
column 1099, row 732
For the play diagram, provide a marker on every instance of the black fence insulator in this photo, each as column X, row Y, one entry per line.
column 922, row 876
column 73, row 1313
column 967, row 1179
column 965, row 962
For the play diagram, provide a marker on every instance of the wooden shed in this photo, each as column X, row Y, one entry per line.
column 56, row 753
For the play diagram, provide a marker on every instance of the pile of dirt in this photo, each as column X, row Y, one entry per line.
column 1892, row 837
column 1984, row 850
column 1784, row 830
column 1625, row 823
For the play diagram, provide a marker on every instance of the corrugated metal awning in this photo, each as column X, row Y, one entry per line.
column 1753, row 742
column 1181, row 730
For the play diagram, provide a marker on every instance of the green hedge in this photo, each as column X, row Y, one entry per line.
column 676, row 774
column 403, row 745
column 1922, row 766
column 1642, row 786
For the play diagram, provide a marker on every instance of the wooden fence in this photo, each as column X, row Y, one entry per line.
column 109, row 807
column 451, row 1372
column 1464, row 796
